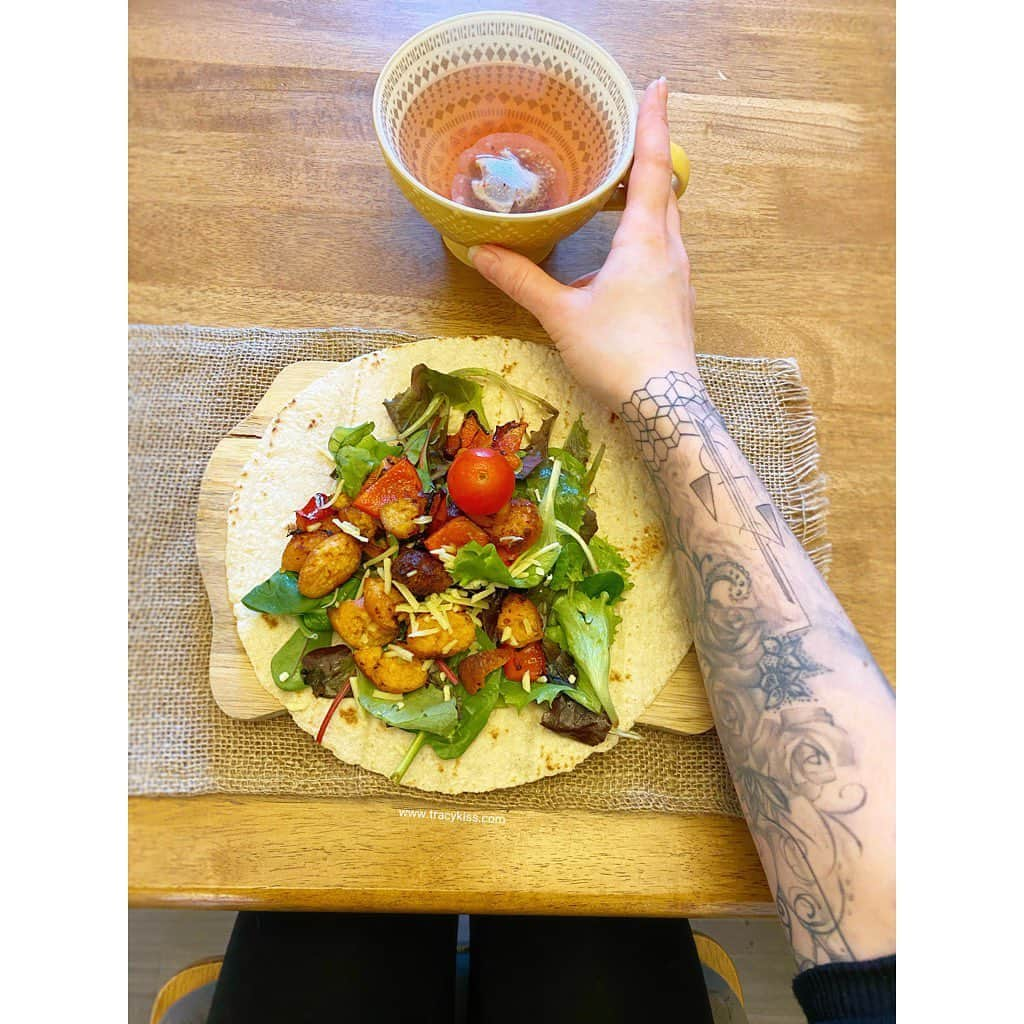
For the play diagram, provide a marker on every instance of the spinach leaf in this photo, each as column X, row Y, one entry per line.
column 475, row 709
column 284, row 666
column 280, row 595
column 464, row 395
column 315, row 622
column 423, row 710
column 611, row 584
column 577, row 443
column 346, row 591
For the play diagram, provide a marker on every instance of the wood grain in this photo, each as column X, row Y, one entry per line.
column 304, row 854
column 681, row 706
column 257, row 196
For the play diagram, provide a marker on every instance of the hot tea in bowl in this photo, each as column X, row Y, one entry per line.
column 507, row 128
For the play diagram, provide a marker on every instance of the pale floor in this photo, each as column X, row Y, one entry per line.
column 161, row 942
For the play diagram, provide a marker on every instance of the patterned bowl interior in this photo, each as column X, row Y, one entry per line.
column 467, row 77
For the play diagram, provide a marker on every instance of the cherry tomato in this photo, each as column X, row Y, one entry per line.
column 480, row 481
column 526, row 659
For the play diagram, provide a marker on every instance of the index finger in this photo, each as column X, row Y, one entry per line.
column 650, row 180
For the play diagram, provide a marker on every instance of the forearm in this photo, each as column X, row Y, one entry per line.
column 806, row 718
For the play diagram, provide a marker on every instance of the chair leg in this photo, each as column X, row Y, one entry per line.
column 193, row 977
column 714, row 956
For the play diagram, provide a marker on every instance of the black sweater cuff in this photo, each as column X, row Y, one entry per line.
column 859, row 992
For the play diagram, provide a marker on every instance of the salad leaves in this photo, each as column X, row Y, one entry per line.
column 279, row 595
column 474, row 710
column 577, row 444
column 285, row 665
column 588, row 628
column 572, row 565
column 480, row 562
column 356, row 454
column 570, row 501
column 515, row 696
column 429, row 392
column 423, row 710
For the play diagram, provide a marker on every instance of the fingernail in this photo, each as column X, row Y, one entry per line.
column 663, row 88
column 480, row 258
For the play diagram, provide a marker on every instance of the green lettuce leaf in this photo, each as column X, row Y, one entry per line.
column 569, row 500
column 577, row 444
column 480, row 562
column 588, row 627
column 611, row 584
column 515, row 696
column 572, row 566
column 356, row 454
column 430, row 392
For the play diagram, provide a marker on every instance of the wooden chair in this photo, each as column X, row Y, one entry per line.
column 712, row 956
column 184, row 983
column 725, row 994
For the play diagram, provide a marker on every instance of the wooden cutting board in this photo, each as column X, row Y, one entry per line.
column 681, row 706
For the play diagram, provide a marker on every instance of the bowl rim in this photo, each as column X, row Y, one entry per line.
column 607, row 184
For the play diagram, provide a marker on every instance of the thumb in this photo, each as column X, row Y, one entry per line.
column 519, row 278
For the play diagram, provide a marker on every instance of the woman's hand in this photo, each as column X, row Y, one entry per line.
column 634, row 320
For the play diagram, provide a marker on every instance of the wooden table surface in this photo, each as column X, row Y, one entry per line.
column 258, row 196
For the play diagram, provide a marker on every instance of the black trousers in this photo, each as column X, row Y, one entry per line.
column 384, row 968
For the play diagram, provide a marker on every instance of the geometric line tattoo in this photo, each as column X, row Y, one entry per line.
column 792, row 764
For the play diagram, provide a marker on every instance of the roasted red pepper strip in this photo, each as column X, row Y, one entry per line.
column 441, row 509
column 470, row 435
column 342, row 693
column 456, row 533
column 400, row 481
column 316, row 510
column 526, row 659
column 474, row 669
column 507, row 439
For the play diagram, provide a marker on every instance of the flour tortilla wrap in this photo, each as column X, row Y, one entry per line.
column 289, row 466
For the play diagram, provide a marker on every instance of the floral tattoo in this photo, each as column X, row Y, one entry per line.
column 793, row 765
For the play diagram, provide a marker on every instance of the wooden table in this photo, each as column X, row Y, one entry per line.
column 258, row 197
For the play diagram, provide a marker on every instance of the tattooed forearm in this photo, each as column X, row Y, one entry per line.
column 747, row 585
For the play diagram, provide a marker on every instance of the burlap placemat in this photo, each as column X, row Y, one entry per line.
column 188, row 387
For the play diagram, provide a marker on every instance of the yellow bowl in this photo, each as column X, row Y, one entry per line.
column 484, row 66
